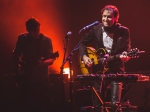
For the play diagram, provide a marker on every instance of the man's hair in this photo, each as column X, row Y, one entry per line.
column 32, row 24
column 113, row 9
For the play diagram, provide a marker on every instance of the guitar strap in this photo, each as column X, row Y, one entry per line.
column 40, row 41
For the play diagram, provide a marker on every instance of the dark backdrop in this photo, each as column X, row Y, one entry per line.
column 71, row 15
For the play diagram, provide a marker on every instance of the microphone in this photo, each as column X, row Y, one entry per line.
column 68, row 34
column 89, row 26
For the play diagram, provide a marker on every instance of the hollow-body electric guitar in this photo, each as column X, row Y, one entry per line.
column 98, row 56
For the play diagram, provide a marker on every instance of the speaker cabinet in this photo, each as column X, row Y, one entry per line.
column 83, row 99
column 58, row 92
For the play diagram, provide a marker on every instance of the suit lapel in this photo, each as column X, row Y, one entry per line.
column 99, row 35
column 115, row 39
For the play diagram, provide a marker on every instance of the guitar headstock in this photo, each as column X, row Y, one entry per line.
column 54, row 55
column 134, row 53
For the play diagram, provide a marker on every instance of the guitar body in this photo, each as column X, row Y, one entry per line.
column 95, row 57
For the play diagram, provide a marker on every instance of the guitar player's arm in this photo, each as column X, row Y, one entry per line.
column 87, row 39
column 49, row 51
column 127, row 46
column 46, row 62
column 17, row 52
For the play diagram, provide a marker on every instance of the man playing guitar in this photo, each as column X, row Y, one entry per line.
column 33, row 54
column 115, row 38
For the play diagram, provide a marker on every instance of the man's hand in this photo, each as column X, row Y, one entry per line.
column 46, row 62
column 124, row 57
column 88, row 62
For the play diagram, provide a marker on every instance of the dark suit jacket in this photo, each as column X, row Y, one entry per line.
column 121, row 42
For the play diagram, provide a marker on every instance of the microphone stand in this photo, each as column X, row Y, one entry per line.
column 61, row 74
column 102, row 90
column 69, row 58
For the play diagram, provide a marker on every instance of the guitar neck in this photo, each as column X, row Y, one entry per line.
column 118, row 56
column 110, row 58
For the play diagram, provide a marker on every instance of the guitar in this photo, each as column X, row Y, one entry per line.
column 25, row 67
column 97, row 56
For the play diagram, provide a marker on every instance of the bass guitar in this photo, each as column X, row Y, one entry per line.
column 26, row 67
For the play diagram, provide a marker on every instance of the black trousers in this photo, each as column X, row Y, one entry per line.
column 116, row 90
